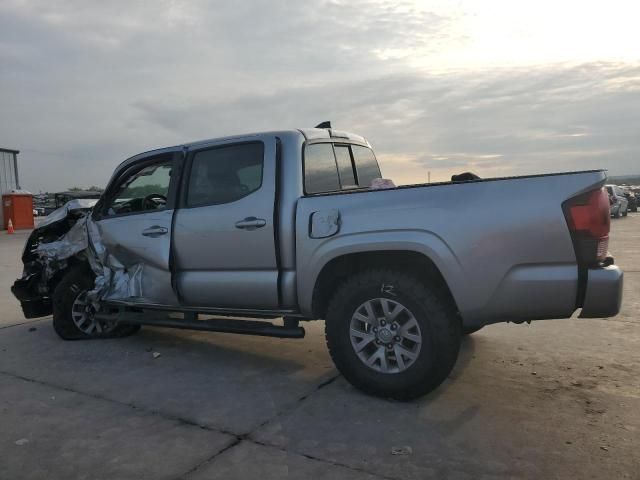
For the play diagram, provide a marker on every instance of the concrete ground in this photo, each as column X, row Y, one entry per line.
column 554, row 399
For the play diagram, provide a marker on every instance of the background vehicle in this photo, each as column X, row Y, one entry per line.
column 632, row 200
column 284, row 224
column 618, row 202
column 58, row 200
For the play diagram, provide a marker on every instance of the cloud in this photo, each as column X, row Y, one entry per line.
column 87, row 84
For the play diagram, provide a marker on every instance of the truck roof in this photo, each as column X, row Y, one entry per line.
column 307, row 133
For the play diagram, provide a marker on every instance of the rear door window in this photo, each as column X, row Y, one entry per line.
column 366, row 165
column 225, row 174
column 320, row 169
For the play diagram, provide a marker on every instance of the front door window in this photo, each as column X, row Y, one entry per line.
column 144, row 190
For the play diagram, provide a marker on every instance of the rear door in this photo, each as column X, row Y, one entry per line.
column 134, row 219
column 224, row 231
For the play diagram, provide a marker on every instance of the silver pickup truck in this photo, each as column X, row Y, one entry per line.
column 230, row 234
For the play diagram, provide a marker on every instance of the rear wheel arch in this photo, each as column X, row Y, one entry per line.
column 339, row 269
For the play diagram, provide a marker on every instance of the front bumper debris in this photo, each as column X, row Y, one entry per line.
column 33, row 305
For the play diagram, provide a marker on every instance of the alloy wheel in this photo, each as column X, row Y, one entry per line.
column 83, row 316
column 385, row 335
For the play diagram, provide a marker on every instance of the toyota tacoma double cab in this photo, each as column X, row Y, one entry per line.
column 254, row 234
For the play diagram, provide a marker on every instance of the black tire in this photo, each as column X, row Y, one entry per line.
column 617, row 214
column 471, row 330
column 434, row 313
column 625, row 213
column 77, row 280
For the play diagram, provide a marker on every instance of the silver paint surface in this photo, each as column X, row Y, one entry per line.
column 505, row 255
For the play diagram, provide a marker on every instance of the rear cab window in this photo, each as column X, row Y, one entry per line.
column 331, row 167
column 345, row 166
column 366, row 165
column 320, row 169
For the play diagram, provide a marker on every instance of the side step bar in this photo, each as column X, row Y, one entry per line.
column 291, row 329
column 226, row 312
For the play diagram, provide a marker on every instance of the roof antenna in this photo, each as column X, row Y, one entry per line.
column 324, row 125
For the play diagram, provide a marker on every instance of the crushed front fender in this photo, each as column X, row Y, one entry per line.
column 67, row 238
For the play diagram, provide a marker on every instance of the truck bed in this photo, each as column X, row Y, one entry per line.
column 501, row 244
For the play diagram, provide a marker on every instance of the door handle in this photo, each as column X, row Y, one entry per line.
column 155, row 231
column 251, row 223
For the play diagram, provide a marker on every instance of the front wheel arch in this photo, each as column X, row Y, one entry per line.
column 77, row 279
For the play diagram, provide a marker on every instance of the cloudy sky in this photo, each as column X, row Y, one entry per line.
column 496, row 87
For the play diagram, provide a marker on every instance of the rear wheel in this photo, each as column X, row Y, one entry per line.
column 391, row 335
column 626, row 211
column 73, row 314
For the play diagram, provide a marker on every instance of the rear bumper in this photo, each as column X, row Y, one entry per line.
column 603, row 294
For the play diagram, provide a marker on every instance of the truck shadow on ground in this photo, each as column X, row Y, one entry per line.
column 266, row 353
column 234, row 351
column 258, row 367
column 285, row 356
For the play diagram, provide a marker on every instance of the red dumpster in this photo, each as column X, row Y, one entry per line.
column 17, row 206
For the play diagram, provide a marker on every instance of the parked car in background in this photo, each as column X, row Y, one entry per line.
column 632, row 200
column 618, row 203
column 60, row 199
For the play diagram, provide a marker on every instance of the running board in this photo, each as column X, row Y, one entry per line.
column 222, row 325
column 231, row 312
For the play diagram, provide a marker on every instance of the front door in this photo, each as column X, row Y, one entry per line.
column 135, row 223
column 223, row 235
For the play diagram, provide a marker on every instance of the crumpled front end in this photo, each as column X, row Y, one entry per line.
column 66, row 239
column 35, row 288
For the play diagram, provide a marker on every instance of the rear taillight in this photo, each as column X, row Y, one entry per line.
column 589, row 221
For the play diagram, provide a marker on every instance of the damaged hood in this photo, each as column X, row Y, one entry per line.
column 69, row 207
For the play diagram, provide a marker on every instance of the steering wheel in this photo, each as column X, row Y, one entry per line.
column 149, row 204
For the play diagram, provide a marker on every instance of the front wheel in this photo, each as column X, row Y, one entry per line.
column 391, row 335
column 74, row 316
